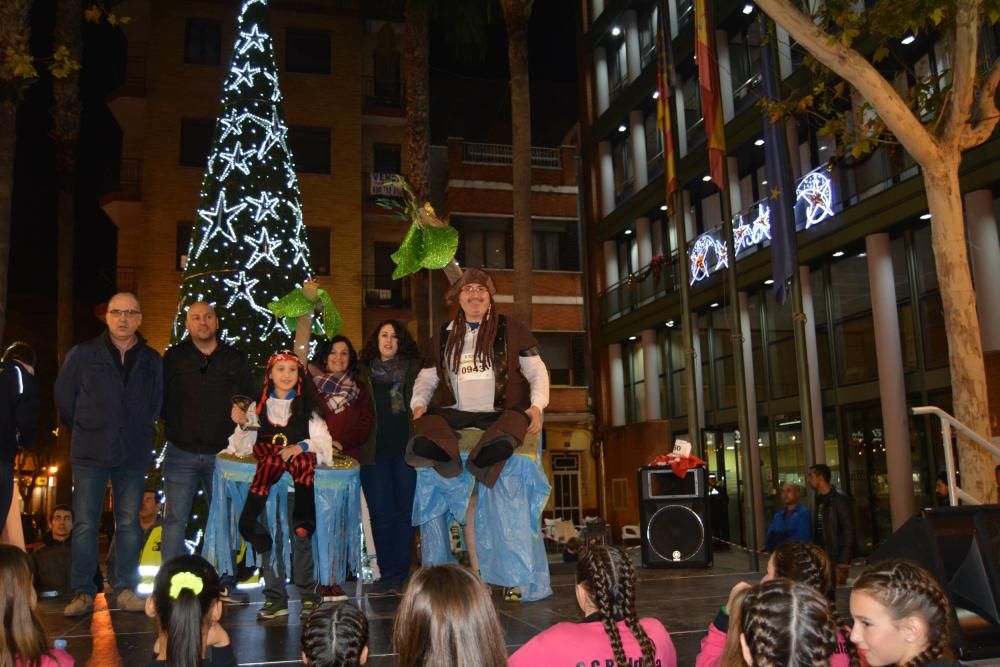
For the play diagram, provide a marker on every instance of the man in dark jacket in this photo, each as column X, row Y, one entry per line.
column 200, row 376
column 833, row 526
column 19, row 405
column 109, row 393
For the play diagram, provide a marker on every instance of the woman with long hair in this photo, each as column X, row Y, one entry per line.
column 901, row 616
column 611, row 631
column 388, row 366
column 187, row 605
column 447, row 619
column 22, row 638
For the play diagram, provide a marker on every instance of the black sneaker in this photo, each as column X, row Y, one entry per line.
column 308, row 607
column 272, row 609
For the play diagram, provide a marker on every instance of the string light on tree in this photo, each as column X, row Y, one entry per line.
column 250, row 245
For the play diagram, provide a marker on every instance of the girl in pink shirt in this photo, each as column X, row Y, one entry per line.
column 22, row 639
column 611, row 632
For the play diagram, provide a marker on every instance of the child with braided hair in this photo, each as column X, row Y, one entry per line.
column 798, row 561
column 901, row 616
column 335, row 635
column 611, row 632
column 187, row 605
column 787, row 624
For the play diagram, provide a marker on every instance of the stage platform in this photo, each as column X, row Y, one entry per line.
column 684, row 600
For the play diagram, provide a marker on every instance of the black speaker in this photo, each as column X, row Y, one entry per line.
column 960, row 547
column 675, row 523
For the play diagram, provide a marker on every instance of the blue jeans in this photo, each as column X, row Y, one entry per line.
column 389, row 486
column 89, row 484
column 183, row 474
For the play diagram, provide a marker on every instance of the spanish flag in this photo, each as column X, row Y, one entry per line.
column 708, row 80
column 664, row 80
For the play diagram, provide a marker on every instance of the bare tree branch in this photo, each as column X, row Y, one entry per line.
column 853, row 68
column 989, row 115
column 964, row 54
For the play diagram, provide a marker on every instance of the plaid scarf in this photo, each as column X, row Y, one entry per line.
column 339, row 390
column 392, row 373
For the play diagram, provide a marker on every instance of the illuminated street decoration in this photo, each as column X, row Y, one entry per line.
column 249, row 245
column 747, row 236
column 699, row 257
column 815, row 190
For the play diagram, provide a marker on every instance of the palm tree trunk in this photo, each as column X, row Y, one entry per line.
column 416, row 50
column 8, row 143
column 13, row 24
column 66, row 130
column 516, row 15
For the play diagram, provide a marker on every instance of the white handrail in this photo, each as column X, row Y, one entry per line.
column 947, row 422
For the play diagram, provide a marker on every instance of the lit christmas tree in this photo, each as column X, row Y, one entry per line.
column 249, row 247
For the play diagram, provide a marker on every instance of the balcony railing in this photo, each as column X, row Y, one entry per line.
column 377, row 295
column 643, row 286
column 501, row 154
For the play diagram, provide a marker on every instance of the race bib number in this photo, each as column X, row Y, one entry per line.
column 469, row 371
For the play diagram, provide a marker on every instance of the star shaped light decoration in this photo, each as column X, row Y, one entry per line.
column 266, row 206
column 252, row 40
column 263, row 248
column 218, row 220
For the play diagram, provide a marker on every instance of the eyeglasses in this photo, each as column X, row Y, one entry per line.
column 474, row 289
column 124, row 313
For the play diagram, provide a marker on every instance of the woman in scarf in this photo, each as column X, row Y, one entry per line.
column 389, row 364
column 349, row 413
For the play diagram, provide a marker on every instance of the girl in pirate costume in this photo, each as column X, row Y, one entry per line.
column 293, row 437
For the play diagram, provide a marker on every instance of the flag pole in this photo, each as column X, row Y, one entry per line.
column 711, row 102
column 784, row 251
column 673, row 200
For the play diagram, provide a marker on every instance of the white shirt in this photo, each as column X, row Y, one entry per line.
column 279, row 410
column 475, row 388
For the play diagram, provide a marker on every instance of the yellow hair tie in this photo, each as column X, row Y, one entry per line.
column 183, row 580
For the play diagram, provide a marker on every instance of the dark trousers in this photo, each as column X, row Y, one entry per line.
column 6, row 491
column 275, row 587
column 389, row 485
column 440, row 426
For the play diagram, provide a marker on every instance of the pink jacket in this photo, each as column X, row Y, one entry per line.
column 714, row 643
column 586, row 644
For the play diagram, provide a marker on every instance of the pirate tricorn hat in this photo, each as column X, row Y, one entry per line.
column 477, row 276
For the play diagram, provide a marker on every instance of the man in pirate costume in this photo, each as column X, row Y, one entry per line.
column 482, row 370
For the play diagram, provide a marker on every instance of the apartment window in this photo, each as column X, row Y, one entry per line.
column 744, row 61
column 196, row 141
column 617, row 68
column 202, row 41
column 184, row 230
column 319, row 249
column 780, row 347
column 486, row 243
column 310, row 148
column 564, row 354
column 674, row 355
column 654, row 144
column 694, row 124
column 854, row 328
column 647, row 36
column 722, row 350
column 931, row 309
column 635, row 381
column 307, row 51
column 387, row 158
column 622, row 161
column 555, row 245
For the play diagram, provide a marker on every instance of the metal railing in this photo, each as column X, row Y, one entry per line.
column 947, row 424
column 501, row 154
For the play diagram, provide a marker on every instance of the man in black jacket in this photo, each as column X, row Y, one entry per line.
column 201, row 375
column 833, row 525
column 19, row 405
